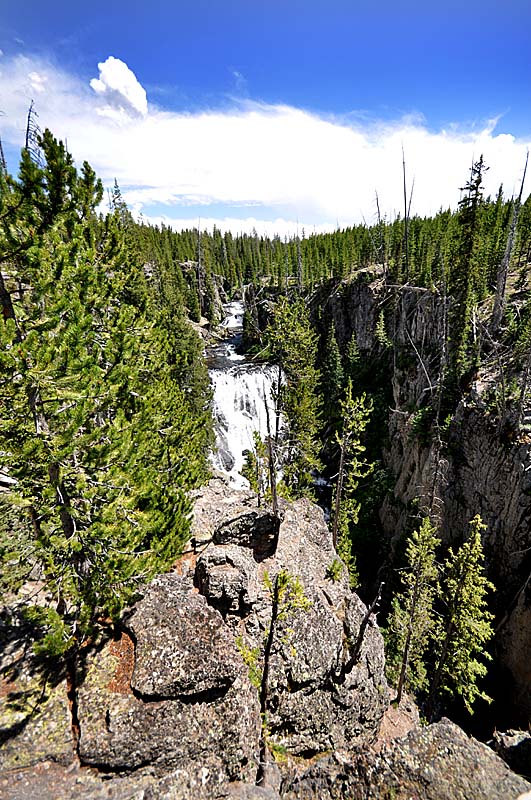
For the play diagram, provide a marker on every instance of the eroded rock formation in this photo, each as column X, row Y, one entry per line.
column 167, row 709
column 318, row 700
column 437, row 762
column 483, row 466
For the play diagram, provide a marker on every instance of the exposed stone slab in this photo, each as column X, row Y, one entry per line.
column 317, row 699
column 210, row 731
column 182, row 646
column 437, row 762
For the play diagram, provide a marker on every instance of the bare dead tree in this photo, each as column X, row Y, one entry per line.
column 383, row 254
column 199, row 268
column 356, row 649
column 286, row 264
column 271, row 461
column 33, row 133
column 503, row 268
column 3, row 164
column 406, row 218
column 299, row 260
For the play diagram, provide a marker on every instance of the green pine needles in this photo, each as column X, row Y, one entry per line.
column 461, row 633
column 412, row 619
column 355, row 413
column 292, row 343
column 103, row 425
column 440, row 623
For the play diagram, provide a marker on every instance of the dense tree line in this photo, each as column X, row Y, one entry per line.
column 438, row 247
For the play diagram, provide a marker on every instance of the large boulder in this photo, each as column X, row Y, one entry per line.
column 515, row 749
column 183, row 650
column 184, row 702
column 437, row 762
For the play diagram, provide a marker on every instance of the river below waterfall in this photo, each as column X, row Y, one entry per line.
column 241, row 388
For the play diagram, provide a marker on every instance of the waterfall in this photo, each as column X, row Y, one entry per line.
column 240, row 389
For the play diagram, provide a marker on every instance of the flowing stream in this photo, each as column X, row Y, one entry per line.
column 241, row 388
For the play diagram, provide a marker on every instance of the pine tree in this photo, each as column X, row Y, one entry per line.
column 97, row 426
column 461, row 633
column 355, row 412
column 332, row 376
column 352, row 358
column 412, row 619
column 467, row 279
column 292, row 343
column 255, row 467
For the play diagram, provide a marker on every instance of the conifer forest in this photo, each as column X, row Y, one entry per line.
column 401, row 356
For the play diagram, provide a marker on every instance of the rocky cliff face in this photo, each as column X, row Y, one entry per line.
column 438, row 762
column 318, row 700
column 172, row 693
column 480, row 469
column 170, row 707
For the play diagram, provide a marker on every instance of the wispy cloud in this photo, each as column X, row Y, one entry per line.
column 290, row 163
column 240, row 83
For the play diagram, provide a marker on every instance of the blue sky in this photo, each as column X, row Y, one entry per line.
column 268, row 113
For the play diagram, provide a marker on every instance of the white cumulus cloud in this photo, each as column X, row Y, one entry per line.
column 119, row 86
column 251, row 165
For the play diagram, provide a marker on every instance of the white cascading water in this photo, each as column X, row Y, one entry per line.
column 241, row 389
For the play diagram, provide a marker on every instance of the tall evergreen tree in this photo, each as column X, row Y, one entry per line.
column 332, row 375
column 101, row 438
column 292, row 343
column 467, row 278
column 355, row 412
column 412, row 618
column 465, row 628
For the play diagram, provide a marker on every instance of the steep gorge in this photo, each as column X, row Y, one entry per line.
column 480, row 464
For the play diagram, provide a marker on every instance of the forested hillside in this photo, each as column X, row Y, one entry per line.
column 382, row 335
column 420, row 251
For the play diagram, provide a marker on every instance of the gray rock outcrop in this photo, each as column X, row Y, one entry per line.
column 476, row 473
column 438, row 762
column 182, row 648
column 317, row 699
column 188, row 703
column 515, row 749
column 170, row 708
column 484, row 467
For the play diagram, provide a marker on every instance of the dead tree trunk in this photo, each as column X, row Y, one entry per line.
column 271, row 464
column 503, row 269
column 406, row 215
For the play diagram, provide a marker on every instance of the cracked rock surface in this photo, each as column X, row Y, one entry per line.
column 167, row 709
column 436, row 762
column 162, row 717
column 317, row 701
